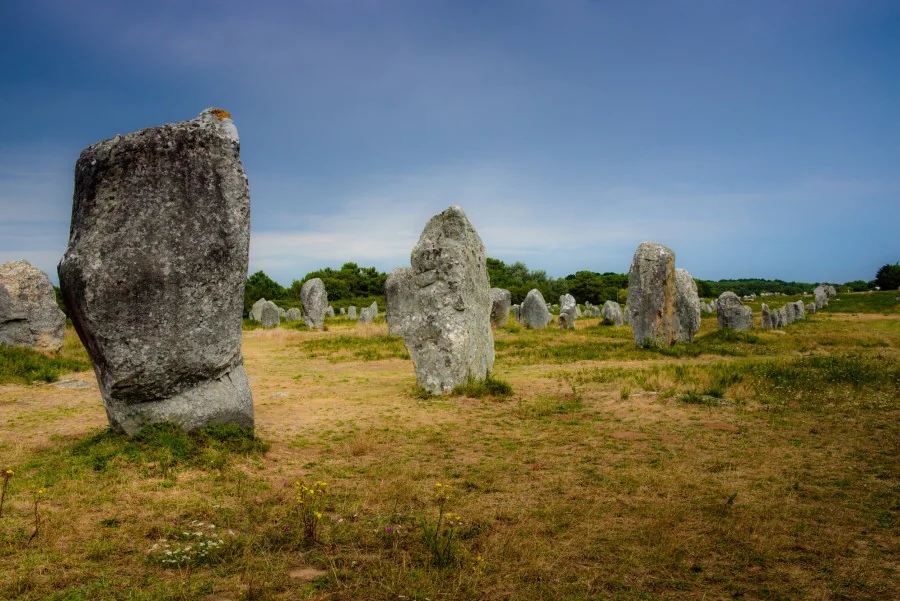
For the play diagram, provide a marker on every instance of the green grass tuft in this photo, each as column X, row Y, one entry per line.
column 20, row 365
column 489, row 387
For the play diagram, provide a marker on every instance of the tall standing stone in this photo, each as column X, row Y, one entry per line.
column 441, row 305
column 732, row 313
column 800, row 310
column 533, row 310
column 29, row 315
column 315, row 300
column 651, row 295
column 821, row 297
column 687, row 306
column 351, row 312
column 611, row 313
column 269, row 316
column 500, row 303
column 766, row 322
column 810, row 308
column 567, row 307
column 154, row 273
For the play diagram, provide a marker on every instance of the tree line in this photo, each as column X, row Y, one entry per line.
column 355, row 285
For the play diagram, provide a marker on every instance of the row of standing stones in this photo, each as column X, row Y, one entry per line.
column 161, row 219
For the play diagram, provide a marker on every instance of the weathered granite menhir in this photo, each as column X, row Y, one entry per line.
column 441, row 306
column 314, row 299
column 153, row 276
column 732, row 314
column 500, row 304
column 651, row 295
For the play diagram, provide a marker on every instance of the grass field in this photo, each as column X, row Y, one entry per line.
column 756, row 465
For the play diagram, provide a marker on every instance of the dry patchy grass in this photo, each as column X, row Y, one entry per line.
column 746, row 467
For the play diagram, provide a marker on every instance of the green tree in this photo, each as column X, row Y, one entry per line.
column 258, row 286
column 888, row 277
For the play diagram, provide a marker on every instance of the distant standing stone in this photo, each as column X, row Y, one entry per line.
column 268, row 316
column 790, row 310
column 732, row 313
column 651, row 295
column 810, row 307
column 315, row 300
column 500, row 303
column 687, row 306
column 567, row 306
column 766, row 318
column 373, row 309
column 441, row 305
column 329, row 311
column 255, row 312
column 365, row 315
column 612, row 313
column 351, row 312
column 293, row 314
column 534, row 311
column 29, row 315
column 783, row 319
column 343, row 311
column 155, row 269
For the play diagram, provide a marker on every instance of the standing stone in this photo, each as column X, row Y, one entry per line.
column 365, row 315
column 268, row 315
column 500, row 301
column 567, row 307
column 351, row 312
column 329, row 311
column 293, row 314
column 282, row 313
column 790, row 310
column 612, row 313
column 783, row 319
column 810, row 307
column 687, row 306
column 732, row 313
column 765, row 321
column 373, row 309
column 343, row 311
column 799, row 310
column 705, row 309
column 578, row 312
column 441, row 306
column 534, row 311
column 821, row 297
column 315, row 300
column 830, row 291
column 29, row 315
column 516, row 313
column 154, row 273
column 256, row 311
column 651, row 295
column 596, row 312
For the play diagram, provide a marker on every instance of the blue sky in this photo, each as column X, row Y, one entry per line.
column 756, row 139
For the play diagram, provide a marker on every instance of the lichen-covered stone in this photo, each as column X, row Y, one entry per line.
column 293, row 314
column 687, row 306
column 611, row 313
column 154, row 273
column 315, row 300
column 533, row 310
column 800, row 310
column 790, row 310
column 500, row 303
column 651, row 295
column 441, row 306
column 351, row 312
column 329, row 311
column 29, row 315
column 810, row 308
column 732, row 313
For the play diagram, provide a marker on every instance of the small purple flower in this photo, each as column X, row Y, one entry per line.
column 388, row 529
